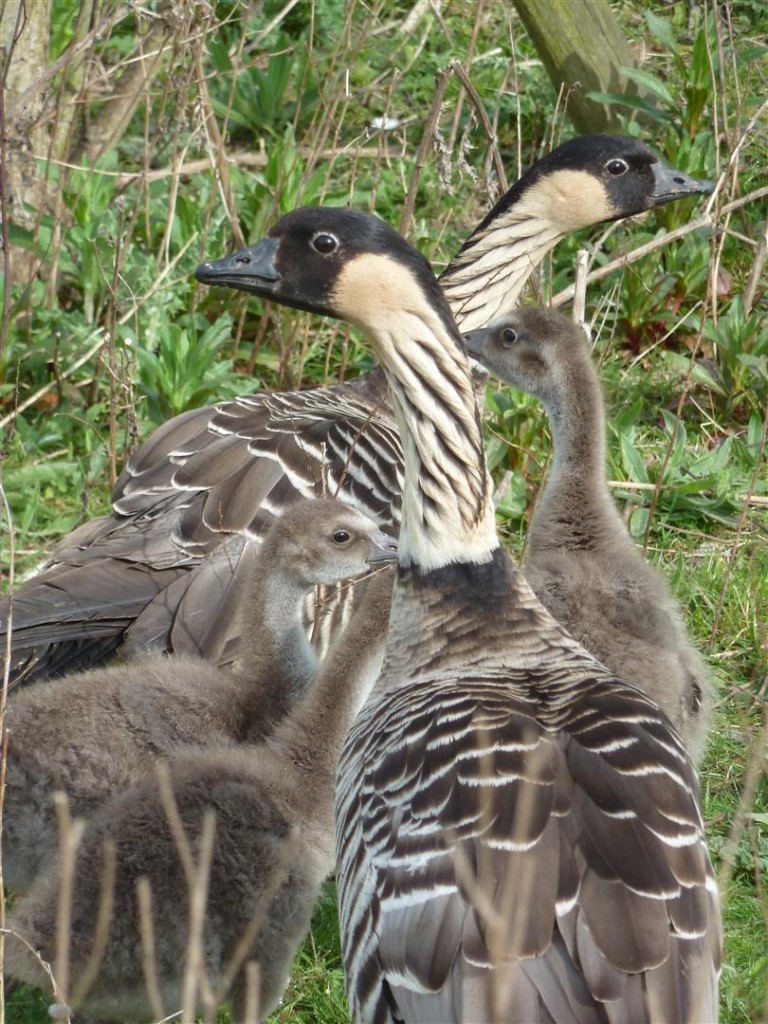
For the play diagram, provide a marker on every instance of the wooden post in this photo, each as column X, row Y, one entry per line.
column 583, row 50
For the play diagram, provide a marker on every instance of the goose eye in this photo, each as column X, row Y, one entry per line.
column 325, row 243
column 341, row 537
column 617, row 167
column 508, row 337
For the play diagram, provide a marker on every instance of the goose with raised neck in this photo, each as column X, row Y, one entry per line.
column 580, row 559
column 94, row 734
column 518, row 831
column 274, row 846
column 158, row 572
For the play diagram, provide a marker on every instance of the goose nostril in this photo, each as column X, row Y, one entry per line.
column 242, row 261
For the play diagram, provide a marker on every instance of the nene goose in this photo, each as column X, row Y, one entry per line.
column 274, row 846
column 580, row 561
column 93, row 734
column 518, row 831
column 157, row 573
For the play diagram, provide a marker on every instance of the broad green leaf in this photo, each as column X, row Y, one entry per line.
column 651, row 83
column 662, row 31
column 635, row 102
column 633, row 463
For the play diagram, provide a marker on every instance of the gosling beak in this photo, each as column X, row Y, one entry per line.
column 671, row 184
column 251, row 270
column 384, row 549
column 473, row 342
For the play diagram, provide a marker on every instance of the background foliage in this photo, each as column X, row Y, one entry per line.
column 165, row 134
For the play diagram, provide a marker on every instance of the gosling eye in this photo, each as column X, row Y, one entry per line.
column 325, row 243
column 508, row 337
column 617, row 166
column 341, row 537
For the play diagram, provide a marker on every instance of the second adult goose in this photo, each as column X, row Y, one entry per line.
column 273, row 847
column 93, row 734
column 580, row 560
column 157, row 572
column 519, row 837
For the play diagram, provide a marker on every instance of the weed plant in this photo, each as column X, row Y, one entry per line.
column 162, row 135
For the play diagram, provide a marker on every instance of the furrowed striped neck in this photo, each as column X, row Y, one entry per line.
column 447, row 512
column 484, row 281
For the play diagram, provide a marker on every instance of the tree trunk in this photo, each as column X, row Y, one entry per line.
column 583, row 50
column 23, row 54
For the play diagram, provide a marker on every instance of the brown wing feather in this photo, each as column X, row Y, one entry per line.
column 562, row 839
column 136, row 578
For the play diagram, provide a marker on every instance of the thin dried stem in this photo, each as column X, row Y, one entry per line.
column 579, row 313
column 70, row 834
column 705, row 221
column 198, row 900
column 148, row 958
column 108, row 127
column 252, row 986
column 441, row 82
column 215, row 146
column 467, row 64
column 46, row 75
column 255, row 925
column 103, row 922
column 755, row 279
column 482, row 115
column 7, row 645
column 757, row 473
column 754, row 772
column 175, row 824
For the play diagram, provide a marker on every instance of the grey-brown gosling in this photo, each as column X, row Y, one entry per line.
column 273, row 847
column 157, row 572
column 93, row 734
column 518, row 830
column 580, row 560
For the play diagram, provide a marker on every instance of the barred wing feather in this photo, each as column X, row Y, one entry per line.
column 473, row 792
column 179, row 498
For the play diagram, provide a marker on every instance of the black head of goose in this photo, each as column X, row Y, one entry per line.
column 580, row 560
column 588, row 180
column 92, row 734
column 272, row 848
column 157, row 573
column 518, row 831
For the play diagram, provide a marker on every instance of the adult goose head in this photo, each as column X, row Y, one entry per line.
column 518, row 830
column 585, row 181
column 580, row 559
column 159, row 571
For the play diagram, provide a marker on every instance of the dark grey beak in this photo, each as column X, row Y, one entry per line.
column 251, row 270
column 671, row 184
column 384, row 549
column 473, row 343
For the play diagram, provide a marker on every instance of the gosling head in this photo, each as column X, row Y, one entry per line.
column 324, row 541
column 528, row 349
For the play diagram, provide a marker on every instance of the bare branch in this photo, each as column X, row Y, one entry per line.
column 705, row 221
column 441, row 81
column 482, row 115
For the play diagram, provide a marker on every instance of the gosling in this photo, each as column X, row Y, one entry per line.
column 94, row 734
column 580, row 560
